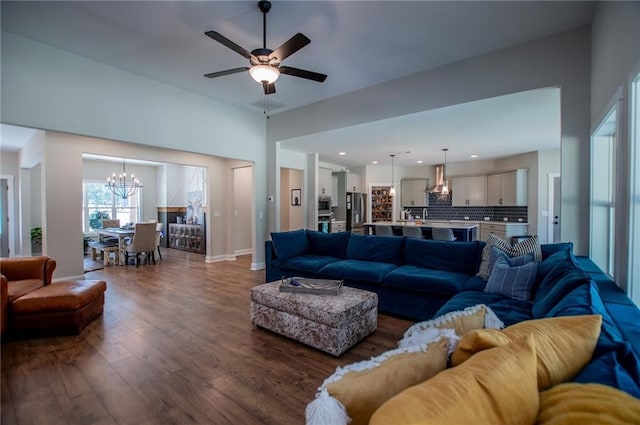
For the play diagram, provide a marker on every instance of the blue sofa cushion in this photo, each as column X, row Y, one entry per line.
column 619, row 369
column 383, row 249
column 561, row 258
column 426, row 280
column 305, row 264
column 551, row 248
column 289, row 244
column 507, row 309
column 358, row 270
column 585, row 299
column 328, row 244
column 559, row 282
column 475, row 283
column 462, row 257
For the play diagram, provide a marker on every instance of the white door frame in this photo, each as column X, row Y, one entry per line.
column 11, row 213
column 550, row 205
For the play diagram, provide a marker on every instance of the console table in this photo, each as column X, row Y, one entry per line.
column 187, row 237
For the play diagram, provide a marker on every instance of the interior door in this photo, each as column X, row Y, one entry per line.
column 4, row 218
column 556, row 209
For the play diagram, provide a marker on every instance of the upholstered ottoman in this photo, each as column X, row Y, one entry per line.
column 61, row 307
column 331, row 323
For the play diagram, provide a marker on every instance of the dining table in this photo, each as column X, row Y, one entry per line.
column 122, row 234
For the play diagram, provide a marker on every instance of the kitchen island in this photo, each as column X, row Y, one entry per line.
column 463, row 231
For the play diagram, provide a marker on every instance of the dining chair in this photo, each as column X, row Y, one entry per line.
column 143, row 241
column 412, row 232
column 384, row 231
column 442, row 234
column 109, row 223
column 159, row 237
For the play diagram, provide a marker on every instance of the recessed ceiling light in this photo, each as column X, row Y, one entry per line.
column 342, row 153
column 374, row 162
column 419, row 161
column 474, row 156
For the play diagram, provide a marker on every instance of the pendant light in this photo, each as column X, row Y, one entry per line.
column 444, row 194
column 392, row 191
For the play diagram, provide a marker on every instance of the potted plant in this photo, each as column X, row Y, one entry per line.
column 36, row 240
column 96, row 217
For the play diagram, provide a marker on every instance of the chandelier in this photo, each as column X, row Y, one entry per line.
column 122, row 187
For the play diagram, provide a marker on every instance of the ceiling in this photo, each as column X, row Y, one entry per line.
column 357, row 44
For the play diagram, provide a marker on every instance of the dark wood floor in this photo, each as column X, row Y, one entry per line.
column 174, row 346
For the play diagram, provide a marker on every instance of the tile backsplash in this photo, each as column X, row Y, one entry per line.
column 443, row 210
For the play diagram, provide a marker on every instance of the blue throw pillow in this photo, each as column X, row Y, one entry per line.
column 496, row 253
column 328, row 244
column 514, row 281
column 290, row 244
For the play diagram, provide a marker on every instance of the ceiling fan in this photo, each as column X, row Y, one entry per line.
column 265, row 63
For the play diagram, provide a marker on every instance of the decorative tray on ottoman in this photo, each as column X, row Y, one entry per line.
column 303, row 285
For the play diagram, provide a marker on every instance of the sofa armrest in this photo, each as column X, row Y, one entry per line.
column 4, row 302
column 269, row 252
column 49, row 268
column 21, row 268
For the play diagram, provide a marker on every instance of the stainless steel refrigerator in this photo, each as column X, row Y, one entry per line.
column 356, row 204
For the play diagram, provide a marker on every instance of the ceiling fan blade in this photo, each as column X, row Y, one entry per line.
column 230, row 44
column 226, row 72
column 303, row 73
column 269, row 88
column 290, row 46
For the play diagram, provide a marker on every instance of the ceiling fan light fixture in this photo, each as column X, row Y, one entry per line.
column 262, row 73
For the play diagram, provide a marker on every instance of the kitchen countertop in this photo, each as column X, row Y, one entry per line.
column 468, row 221
column 463, row 224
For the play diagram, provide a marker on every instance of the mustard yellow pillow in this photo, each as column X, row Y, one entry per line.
column 563, row 344
column 496, row 386
column 587, row 404
column 361, row 388
column 474, row 317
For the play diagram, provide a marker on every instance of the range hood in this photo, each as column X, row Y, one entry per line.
column 439, row 180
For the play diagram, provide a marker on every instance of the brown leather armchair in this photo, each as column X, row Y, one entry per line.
column 19, row 276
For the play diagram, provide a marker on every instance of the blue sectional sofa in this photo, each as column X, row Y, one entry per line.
column 420, row 279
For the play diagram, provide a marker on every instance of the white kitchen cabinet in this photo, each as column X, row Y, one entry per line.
column 469, row 191
column 507, row 189
column 413, row 192
column 338, row 227
column 325, row 182
column 334, row 191
column 354, row 183
column 504, row 231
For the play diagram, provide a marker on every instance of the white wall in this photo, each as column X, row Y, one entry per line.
column 242, row 207
column 615, row 51
column 558, row 61
column 46, row 88
column 10, row 170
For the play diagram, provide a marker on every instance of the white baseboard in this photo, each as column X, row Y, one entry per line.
column 244, row 251
column 257, row 266
column 218, row 258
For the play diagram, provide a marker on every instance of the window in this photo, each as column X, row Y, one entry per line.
column 99, row 203
column 603, row 165
column 633, row 289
